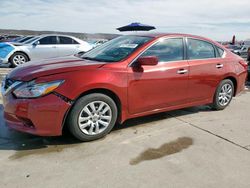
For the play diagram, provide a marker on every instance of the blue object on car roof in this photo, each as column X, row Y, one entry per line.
column 136, row 27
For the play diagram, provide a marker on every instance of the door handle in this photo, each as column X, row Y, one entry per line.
column 218, row 66
column 182, row 71
column 53, row 46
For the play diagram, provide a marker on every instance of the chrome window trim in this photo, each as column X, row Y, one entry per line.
column 185, row 43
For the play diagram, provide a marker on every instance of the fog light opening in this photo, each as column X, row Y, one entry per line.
column 27, row 122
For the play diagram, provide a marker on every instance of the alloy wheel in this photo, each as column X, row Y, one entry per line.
column 225, row 94
column 19, row 59
column 95, row 117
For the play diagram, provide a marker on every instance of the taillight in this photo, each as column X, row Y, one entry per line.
column 244, row 64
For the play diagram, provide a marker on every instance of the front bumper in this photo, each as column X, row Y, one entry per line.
column 42, row 116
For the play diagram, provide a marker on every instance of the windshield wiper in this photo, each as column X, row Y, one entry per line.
column 95, row 59
column 90, row 58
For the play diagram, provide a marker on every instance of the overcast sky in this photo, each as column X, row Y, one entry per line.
column 217, row 19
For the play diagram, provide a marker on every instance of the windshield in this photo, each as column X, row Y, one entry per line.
column 31, row 40
column 17, row 39
column 24, row 39
column 116, row 49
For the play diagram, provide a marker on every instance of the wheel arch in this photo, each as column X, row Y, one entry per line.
column 234, row 80
column 104, row 91
column 19, row 52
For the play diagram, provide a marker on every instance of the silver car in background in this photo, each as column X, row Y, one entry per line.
column 43, row 47
column 243, row 52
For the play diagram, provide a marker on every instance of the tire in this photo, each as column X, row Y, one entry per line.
column 83, row 121
column 223, row 95
column 17, row 59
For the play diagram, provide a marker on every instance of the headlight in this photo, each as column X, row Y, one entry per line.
column 33, row 90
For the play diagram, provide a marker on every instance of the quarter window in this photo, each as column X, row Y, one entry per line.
column 220, row 51
column 48, row 40
column 167, row 50
column 198, row 49
column 67, row 40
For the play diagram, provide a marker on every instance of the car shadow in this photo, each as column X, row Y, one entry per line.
column 160, row 116
column 18, row 141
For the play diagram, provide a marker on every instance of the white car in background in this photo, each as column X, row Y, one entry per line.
column 42, row 47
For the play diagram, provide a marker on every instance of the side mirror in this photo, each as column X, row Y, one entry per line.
column 147, row 60
column 36, row 43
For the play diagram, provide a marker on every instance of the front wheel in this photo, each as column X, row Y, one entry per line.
column 92, row 117
column 17, row 59
column 223, row 95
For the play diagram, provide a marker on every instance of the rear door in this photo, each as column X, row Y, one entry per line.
column 44, row 48
column 163, row 85
column 206, row 69
column 67, row 46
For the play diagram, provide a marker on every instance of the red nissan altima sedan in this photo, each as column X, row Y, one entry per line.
column 127, row 77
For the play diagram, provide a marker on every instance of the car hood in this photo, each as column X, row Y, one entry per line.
column 17, row 43
column 35, row 69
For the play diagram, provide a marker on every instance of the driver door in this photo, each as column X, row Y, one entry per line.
column 163, row 85
column 45, row 47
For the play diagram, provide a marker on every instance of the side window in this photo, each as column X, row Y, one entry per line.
column 67, row 40
column 166, row 50
column 48, row 40
column 198, row 49
column 74, row 42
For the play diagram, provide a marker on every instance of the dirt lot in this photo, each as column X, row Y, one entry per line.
column 193, row 147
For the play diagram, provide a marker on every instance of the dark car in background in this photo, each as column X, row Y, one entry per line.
column 22, row 39
column 248, row 60
column 8, row 38
column 234, row 48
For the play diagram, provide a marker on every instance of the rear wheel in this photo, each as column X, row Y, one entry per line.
column 17, row 59
column 92, row 117
column 223, row 95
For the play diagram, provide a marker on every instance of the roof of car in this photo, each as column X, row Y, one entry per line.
column 54, row 34
column 157, row 35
